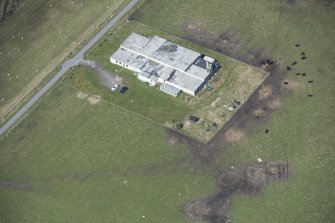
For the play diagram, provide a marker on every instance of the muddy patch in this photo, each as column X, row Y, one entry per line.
column 265, row 92
column 228, row 43
column 259, row 113
column 234, row 135
column 249, row 181
column 274, row 104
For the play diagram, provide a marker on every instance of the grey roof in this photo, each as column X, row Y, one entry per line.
column 185, row 81
column 130, row 58
column 148, row 75
column 161, row 50
column 163, row 59
column 169, row 88
column 174, row 55
column 198, row 72
column 142, row 45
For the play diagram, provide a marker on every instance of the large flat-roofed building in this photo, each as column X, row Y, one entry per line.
column 157, row 60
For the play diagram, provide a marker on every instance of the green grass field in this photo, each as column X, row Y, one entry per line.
column 140, row 98
column 85, row 163
column 302, row 128
column 38, row 37
column 2, row 9
column 8, row 8
column 71, row 161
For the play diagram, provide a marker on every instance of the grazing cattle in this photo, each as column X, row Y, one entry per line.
column 297, row 45
column 294, row 62
column 285, row 82
column 303, row 74
column 267, row 131
column 310, row 95
column 311, row 81
column 270, row 62
column 303, row 53
column 297, row 74
column 288, row 68
column 304, row 58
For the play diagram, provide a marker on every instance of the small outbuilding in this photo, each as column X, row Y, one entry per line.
column 168, row 89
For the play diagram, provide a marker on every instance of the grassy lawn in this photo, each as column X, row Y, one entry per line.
column 2, row 9
column 38, row 37
column 274, row 26
column 301, row 130
column 85, row 162
column 301, row 134
column 235, row 80
column 139, row 98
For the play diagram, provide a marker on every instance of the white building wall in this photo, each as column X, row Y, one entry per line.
column 147, row 80
column 181, row 88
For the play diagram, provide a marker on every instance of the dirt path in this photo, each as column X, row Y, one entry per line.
column 253, row 178
column 107, row 78
column 249, row 181
column 14, row 185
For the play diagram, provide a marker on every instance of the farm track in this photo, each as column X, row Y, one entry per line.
column 66, row 66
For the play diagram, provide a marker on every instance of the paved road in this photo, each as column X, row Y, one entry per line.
column 66, row 66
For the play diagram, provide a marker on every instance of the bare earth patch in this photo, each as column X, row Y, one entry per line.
column 172, row 141
column 265, row 92
column 228, row 42
column 274, row 104
column 94, row 99
column 82, row 95
column 233, row 135
column 258, row 112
